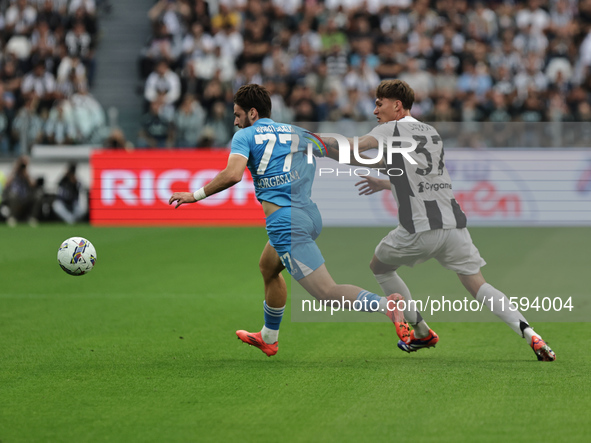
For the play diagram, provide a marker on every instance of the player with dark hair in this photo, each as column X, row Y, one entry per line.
column 275, row 154
column 431, row 222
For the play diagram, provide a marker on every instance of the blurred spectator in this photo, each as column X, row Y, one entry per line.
column 20, row 18
column 83, row 14
column 471, row 110
column 50, row 15
column 60, row 128
column 330, row 109
column 443, row 110
column 89, row 6
column 200, row 14
column 11, row 77
column 214, row 92
column 583, row 112
column 276, row 63
column 474, row 79
column 207, row 138
column 417, row 78
column 226, row 16
column 503, row 81
column 332, row 36
column 280, row 112
column 359, row 105
column 506, row 55
column 229, row 40
column 363, row 78
column 531, row 110
column 27, row 127
column 41, row 84
column 336, row 61
column 532, row 16
column 43, row 42
column 88, row 115
column 21, row 194
column 173, row 13
column 220, row 124
column 116, row 139
column 320, row 82
column 65, row 87
column 163, row 84
column 530, row 41
column 392, row 58
column 161, row 46
column 156, row 130
column 446, row 80
column 197, row 43
column 71, row 65
column 499, row 108
column 190, row 84
column 484, row 20
column 557, row 110
column 79, row 44
column 531, row 78
column 67, row 202
column 250, row 73
column 214, row 64
column 188, row 122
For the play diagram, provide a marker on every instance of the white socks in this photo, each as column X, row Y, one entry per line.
column 391, row 283
column 499, row 304
column 492, row 298
column 269, row 335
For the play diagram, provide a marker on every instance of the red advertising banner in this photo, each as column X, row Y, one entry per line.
column 133, row 188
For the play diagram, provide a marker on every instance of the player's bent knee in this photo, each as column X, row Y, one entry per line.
column 268, row 272
column 377, row 267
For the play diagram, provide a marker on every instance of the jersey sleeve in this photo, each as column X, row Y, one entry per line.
column 240, row 144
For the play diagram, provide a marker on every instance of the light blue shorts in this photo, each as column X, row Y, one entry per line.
column 292, row 232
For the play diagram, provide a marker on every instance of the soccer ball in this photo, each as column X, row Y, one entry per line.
column 76, row 256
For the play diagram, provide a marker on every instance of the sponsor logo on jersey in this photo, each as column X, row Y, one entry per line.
column 433, row 186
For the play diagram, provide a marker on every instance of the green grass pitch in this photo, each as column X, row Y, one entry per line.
column 143, row 349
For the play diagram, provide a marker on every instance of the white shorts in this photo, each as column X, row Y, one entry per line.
column 453, row 248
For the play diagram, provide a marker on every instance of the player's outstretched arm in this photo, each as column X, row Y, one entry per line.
column 225, row 179
column 371, row 185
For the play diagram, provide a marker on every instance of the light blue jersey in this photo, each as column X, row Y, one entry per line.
column 276, row 154
column 277, row 160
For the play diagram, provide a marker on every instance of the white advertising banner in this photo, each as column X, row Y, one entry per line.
column 494, row 187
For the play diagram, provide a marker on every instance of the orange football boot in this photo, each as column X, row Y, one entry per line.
column 542, row 350
column 255, row 339
column 397, row 317
column 414, row 344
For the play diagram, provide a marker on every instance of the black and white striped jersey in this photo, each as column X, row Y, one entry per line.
column 423, row 191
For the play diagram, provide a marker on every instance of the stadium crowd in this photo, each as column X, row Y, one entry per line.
column 468, row 61
column 47, row 65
